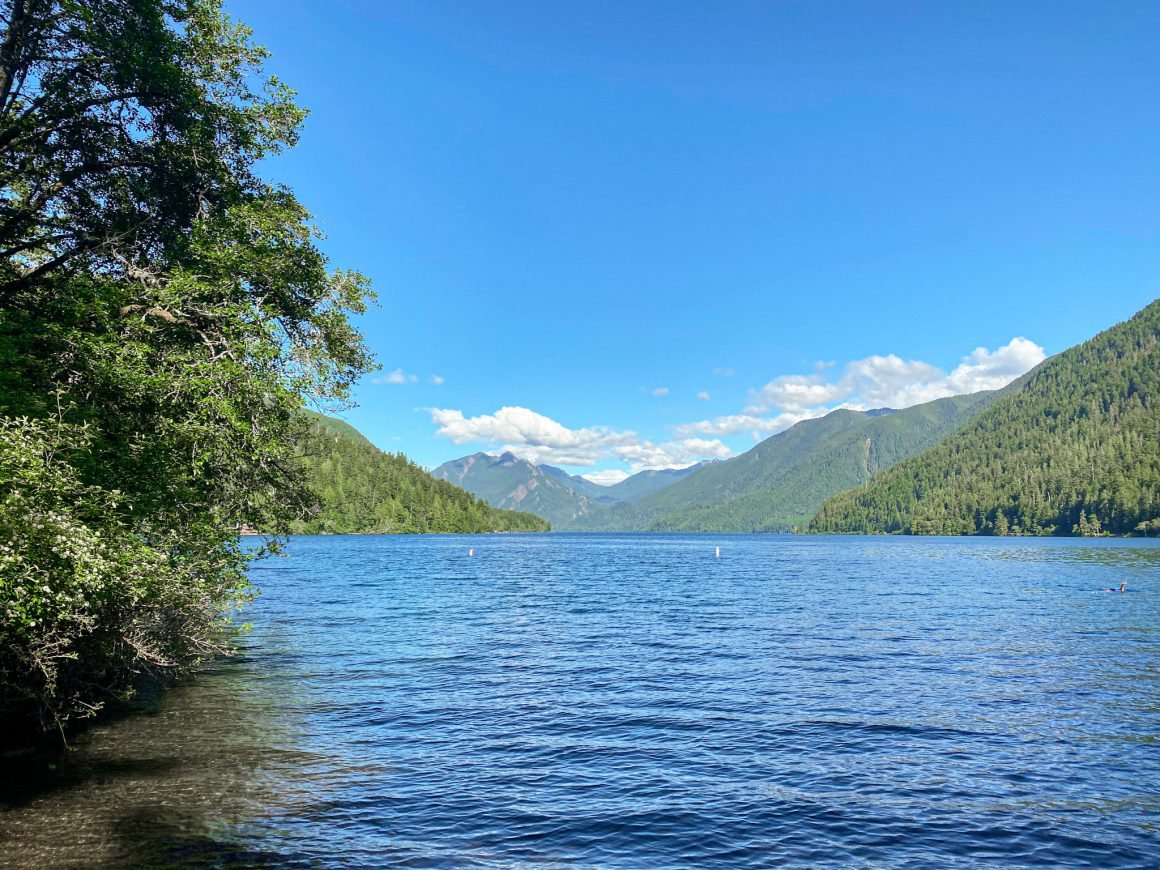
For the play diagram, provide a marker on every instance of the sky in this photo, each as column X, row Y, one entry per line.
column 621, row 235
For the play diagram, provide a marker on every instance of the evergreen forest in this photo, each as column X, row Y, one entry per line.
column 361, row 489
column 1074, row 451
column 778, row 485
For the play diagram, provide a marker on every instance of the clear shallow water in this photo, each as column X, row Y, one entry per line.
column 632, row 701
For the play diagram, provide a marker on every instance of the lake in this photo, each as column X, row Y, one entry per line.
column 636, row 701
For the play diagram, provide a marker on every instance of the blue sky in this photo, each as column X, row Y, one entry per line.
column 615, row 235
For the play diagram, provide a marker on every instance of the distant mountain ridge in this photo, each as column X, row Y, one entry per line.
column 581, row 485
column 508, row 482
column 780, row 483
column 644, row 483
column 511, row 483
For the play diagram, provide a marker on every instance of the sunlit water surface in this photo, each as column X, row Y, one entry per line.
column 634, row 701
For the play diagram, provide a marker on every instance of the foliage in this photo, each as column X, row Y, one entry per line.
column 1076, row 450
column 124, row 122
column 164, row 312
column 362, row 489
column 83, row 598
column 779, row 484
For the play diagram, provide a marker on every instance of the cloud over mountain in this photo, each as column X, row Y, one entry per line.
column 878, row 381
column 872, row 382
column 540, row 439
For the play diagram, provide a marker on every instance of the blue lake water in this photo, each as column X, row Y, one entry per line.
column 634, row 701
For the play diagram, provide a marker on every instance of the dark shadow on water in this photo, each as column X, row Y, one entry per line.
column 154, row 837
column 171, row 778
column 35, row 763
column 35, row 774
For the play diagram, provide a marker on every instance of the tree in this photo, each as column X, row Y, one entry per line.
column 1088, row 525
column 1001, row 527
column 164, row 315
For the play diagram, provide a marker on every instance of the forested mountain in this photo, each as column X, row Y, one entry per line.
column 580, row 485
column 645, row 483
column 779, row 484
column 362, row 489
column 561, row 498
column 507, row 481
column 1075, row 450
column 632, row 488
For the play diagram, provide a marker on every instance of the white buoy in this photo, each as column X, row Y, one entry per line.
column 718, row 552
column 471, row 552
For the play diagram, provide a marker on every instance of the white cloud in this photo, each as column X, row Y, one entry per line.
column 438, row 380
column 540, row 439
column 661, row 391
column 607, row 477
column 398, row 376
column 724, row 372
column 873, row 382
column 795, row 392
column 519, row 425
column 732, row 424
column 991, row 370
column 704, row 395
column 891, row 382
column 671, row 454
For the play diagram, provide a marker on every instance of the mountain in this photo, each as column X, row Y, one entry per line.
column 632, row 488
column 779, row 484
column 362, row 489
column 581, row 486
column 645, row 483
column 507, row 481
column 562, row 498
column 1074, row 450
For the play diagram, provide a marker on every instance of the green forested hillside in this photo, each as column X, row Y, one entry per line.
column 1075, row 450
column 645, row 483
column 780, row 483
column 362, row 489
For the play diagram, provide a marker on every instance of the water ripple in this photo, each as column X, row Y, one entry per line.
column 632, row 701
